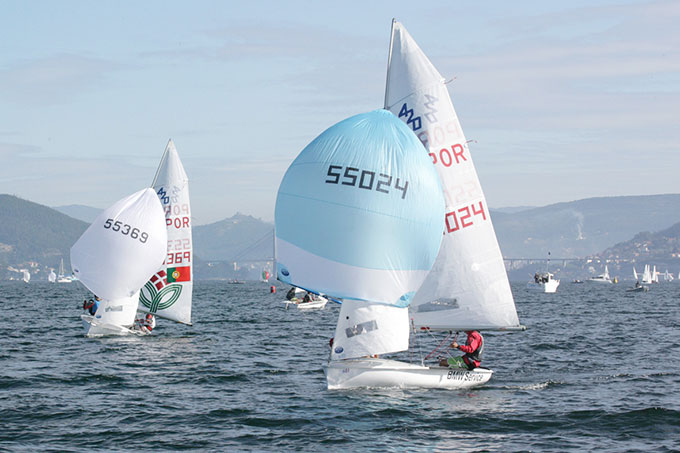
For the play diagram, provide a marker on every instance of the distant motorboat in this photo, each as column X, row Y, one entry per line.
column 577, row 281
column 544, row 282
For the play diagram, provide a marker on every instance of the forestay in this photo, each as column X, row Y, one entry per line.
column 377, row 210
column 122, row 247
column 168, row 293
column 468, row 286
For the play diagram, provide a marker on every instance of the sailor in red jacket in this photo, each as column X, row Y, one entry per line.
column 473, row 348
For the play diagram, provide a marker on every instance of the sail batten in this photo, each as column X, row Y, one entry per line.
column 467, row 287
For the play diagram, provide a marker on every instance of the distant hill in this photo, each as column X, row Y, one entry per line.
column 512, row 209
column 80, row 212
column 36, row 233
column 661, row 248
column 584, row 227
column 238, row 238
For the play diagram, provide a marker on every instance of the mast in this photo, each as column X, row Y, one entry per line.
column 389, row 61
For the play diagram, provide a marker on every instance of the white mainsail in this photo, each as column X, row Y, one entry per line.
column 635, row 274
column 122, row 247
column 168, row 293
column 646, row 275
column 52, row 277
column 468, row 286
column 26, row 276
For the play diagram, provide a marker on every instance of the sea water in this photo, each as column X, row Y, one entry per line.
column 597, row 369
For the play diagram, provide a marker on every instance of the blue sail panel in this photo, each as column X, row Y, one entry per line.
column 357, row 212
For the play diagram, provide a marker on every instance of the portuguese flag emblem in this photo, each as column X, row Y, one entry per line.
column 179, row 274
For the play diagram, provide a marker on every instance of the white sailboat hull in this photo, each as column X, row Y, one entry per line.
column 94, row 328
column 311, row 305
column 352, row 373
column 599, row 280
column 547, row 287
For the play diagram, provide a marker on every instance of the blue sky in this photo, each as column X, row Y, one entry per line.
column 565, row 100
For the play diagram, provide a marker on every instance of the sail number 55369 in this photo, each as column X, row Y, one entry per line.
column 126, row 230
column 364, row 179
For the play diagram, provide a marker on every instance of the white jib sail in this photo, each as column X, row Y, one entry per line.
column 168, row 292
column 119, row 312
column 365, row 329
column 468, row 286
column 123, row 247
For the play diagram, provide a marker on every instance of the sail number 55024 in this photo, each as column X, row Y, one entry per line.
column 364, row 179
column 464, row 217
column 126, row 230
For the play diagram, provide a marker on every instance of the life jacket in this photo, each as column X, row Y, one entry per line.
column 476, row 355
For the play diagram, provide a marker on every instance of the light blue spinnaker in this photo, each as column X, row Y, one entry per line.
column 359, row 212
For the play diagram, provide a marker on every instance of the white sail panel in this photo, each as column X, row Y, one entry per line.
column 365, row 329
column 52, row 277
column 372, row 200
column 122, row 247
column 118, row 312
column 168, row 293
column 468, row 286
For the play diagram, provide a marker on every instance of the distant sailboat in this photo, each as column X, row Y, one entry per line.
column 116, row 255
column 647, row 276
column 168, row 293
column 26, row 276
column 602, row 278
column 62, row 278
column 635, row 274
column 52, row 277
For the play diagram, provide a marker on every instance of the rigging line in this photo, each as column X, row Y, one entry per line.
column 438, row 346
column 251, row 247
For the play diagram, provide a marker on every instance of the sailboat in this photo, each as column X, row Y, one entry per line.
column 635, row 275
column 602, row 278
column 26, row 276
column 52, row 277
column 116, row 255
column 647, row 276
column 468, row 287
column 383, row 211
column 168, row 293
column 62, row 278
